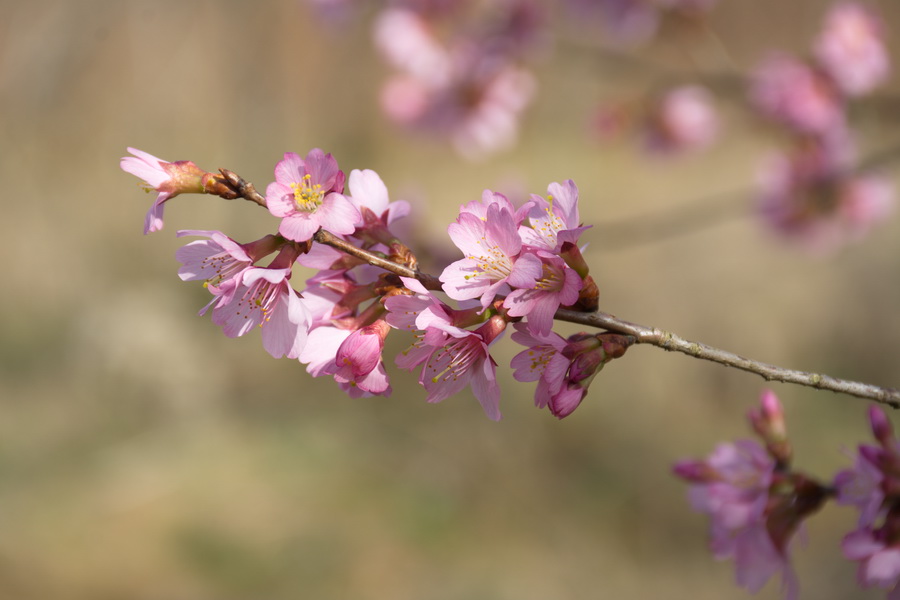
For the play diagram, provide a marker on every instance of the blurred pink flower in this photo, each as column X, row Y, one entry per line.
column 755, row 501
column 851, row 48
column 791, row 92
column 682, row 120
column 469, row 89
column 879, row 560
column 732, row 487
column 813, row 198
column 306, row 195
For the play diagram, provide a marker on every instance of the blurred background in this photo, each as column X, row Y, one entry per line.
column 145, row 456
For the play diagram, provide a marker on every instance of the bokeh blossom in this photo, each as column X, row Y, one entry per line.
column 754, row 500
column 681, row 120
column 851, row 49
column 872, row 485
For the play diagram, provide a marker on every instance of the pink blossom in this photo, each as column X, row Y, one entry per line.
column 306, row 195
column 368, row 193
column 755, row 501
column 791, row 92
column 489, row 122
column 406, row 41
column 219, row 258
column 558, row 285
column 851, row 49
column 168, row 179
column 214, row 260
column 263, row 297
column 732, row 488
column 564, row 369
column 541, row 361
column 452, row 358
column 879, row 561
column 812, row 198
column 492, row 261
column 469, row 90
column 554, row 220
column 683, row 119
column 357, row 365
column 861, row 486
column 416, row 312
column 321, row 348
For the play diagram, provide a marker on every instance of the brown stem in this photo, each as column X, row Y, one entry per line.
column 670, row 341
column 655, row 337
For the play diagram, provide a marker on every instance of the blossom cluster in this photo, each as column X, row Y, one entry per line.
column 520, row 265
column 811, row 193
column 757, row 502
column 468, row 86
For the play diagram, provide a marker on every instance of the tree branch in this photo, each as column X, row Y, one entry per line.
column 654, row 336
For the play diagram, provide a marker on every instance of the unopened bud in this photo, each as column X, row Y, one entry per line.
column 881, row 427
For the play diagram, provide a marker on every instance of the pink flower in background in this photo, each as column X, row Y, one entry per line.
column 488, row 117
column 811, row 197
column 554, row 220
column 851, row 49
column 755, row 501
column 168, row 179
column 791, row 92
column 683, row 119
column 872, row 485
column 861, row 486
column 492, row 260
column 406, row 41
column 306, row 195
column 467, row 89
column 732, row 488
column 879, row 560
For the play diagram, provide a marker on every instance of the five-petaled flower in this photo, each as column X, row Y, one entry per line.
column 307, row 195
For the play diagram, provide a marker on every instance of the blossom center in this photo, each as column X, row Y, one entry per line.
column 307, row 197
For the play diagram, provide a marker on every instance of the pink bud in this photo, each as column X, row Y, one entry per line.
column 881, row 427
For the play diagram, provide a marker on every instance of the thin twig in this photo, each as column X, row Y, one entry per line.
column 672, row 342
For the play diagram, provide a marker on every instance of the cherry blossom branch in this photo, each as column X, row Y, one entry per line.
column 672, row 342
column 654, row 336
